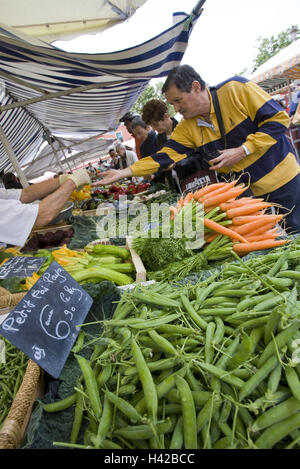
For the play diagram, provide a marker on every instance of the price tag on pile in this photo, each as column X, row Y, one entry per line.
column 43, row 324
column 21, row 266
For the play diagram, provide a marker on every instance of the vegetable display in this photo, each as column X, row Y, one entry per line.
column 210, row 365
column 13, row 365
column 228, row 222
column 97, row 263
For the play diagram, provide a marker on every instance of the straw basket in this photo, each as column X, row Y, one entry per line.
column 14, row 426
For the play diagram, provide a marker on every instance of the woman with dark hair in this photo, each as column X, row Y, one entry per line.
column 156, row 114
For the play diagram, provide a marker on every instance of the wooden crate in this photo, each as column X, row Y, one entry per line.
column 49, row 228
column 14, row 426
column 96, row 212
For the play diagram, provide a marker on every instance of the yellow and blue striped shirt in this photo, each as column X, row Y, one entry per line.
column 251, row 117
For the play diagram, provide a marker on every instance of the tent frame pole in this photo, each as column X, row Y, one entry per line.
column 13, row 158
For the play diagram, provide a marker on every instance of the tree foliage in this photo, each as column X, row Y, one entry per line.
column 270, row 46
column 151, row 92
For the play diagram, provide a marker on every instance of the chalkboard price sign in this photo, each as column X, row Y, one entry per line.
column 43, row 324
column 21, row 266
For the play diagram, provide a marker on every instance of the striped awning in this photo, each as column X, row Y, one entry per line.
column 280, row 68
column 47, row 91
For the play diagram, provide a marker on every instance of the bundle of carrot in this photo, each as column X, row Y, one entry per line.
column 242, row 219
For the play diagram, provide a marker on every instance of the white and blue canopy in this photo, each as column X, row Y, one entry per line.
column 47, row 91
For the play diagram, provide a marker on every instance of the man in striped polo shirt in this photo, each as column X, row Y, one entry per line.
column 255, row 129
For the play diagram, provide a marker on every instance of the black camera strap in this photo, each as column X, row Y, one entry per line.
column 216, row 103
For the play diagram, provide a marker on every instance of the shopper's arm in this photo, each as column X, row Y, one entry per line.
column 39, row 191
column 113, row 175
column 51, row 205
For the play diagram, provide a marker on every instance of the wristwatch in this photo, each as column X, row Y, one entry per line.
column 246, row 149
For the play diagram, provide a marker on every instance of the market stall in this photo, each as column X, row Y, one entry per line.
column 276, row 75
column 201, row 356
column 144, row 319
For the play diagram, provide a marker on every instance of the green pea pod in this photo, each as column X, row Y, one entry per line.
column 209, row 349
column 276, row 414
column 222, row 375
column 293, row 381
column 91, row 385
column 208, row 410
column 278, row 264
column 192, row 312
column 77, row 418
column 177, row 436
column 278, row 432
column 163, row 343
column 271, row 325
column 188, row 413
column 124, row 406
column 144, row 432
column 258, row 377
column 63, row 404
column 280, row 340
column 148, row 385
column 104, row 425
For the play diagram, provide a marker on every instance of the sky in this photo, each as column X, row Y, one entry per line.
column 224, row 41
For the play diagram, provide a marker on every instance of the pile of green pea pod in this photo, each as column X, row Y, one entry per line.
column 13, row 365
column 212, row 365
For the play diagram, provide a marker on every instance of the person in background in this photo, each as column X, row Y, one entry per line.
column 10, row 181
column 295, row 98
column 127, row 119
column 156, row 114
column 19, row 215
column 101, row 166
column 91, row 169
column 116, row 162
column 145, row 135
column 127, row 157
column 257, row 149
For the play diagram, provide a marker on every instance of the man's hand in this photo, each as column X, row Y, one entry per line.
column 228, row 158
column 79, row 177
column 113, row 175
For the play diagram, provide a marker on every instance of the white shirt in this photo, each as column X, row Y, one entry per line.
column 16, row 219
column 131, row 157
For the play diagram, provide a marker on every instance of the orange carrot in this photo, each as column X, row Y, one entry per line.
column 220, row 198
column 179, row 203
column 239, row 203
column 222, row 230
column 267, row 235
column 208, row 188
column 173, row 212
column 259, row 222
column 243, row 248
column 219, row 190
column 246, row 209
column 211, row 237
column 263, row 229
column 237, row 221
column 188, row 198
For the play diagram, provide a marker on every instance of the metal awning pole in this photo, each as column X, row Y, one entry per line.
column 198, row 7
column 13, row 158
column 197, row 10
